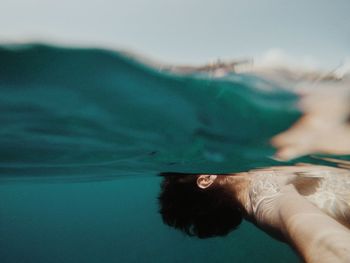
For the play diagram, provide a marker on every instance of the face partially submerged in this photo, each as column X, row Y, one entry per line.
column 199, row 205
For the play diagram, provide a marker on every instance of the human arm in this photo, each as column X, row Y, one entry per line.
column 276, row 205
column 316, row 236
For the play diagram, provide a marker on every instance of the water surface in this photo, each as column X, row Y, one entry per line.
column 84, row 132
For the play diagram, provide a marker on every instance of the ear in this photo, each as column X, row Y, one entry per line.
column 206, row 180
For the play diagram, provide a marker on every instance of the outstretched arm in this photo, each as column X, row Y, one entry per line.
column 317, row 237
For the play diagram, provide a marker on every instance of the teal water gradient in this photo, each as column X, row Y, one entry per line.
column 113, row 221
column 85, row 131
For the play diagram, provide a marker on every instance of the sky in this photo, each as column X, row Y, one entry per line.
column 187, row 31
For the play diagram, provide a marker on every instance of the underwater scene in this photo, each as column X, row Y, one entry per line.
column 86, row 132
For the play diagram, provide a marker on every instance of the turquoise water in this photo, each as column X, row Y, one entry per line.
column 84, row 132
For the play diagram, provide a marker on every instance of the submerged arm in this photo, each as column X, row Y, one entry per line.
column 316, row 236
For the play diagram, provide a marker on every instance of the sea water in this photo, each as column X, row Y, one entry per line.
column 83, row 135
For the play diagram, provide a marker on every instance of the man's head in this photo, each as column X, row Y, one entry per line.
column 199, row 205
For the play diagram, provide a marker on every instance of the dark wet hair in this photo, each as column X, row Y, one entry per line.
column 197, row 212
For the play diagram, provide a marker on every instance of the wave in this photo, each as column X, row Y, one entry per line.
column 82, row 113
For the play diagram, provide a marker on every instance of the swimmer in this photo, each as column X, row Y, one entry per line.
column 307, row 206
